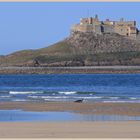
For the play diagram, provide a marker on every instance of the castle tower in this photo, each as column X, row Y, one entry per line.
column 90, row 20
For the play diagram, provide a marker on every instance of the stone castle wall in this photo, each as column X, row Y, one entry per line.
column 125, row 28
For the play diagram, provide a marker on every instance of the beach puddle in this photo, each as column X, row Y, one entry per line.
column 30, row 116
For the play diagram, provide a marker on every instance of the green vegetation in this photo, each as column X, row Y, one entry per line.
column 58, row 58
column 79, row 50
column 114, row 56
column 92, row 57
column 58, row 48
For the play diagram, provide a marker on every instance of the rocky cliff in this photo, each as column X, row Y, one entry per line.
column 106, row 43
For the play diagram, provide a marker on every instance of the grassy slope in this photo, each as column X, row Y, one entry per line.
column 63, row 52
column 57, row 49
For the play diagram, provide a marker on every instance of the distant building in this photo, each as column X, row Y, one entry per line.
column 93, row 24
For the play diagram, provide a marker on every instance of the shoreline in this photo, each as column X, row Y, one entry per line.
column 71, row 70
column 73, row 129
column 129, row 109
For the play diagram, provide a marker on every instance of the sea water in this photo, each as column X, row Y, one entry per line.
column 30, row 116
column 71, row 87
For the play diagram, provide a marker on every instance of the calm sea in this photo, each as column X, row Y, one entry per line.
column 71, row 87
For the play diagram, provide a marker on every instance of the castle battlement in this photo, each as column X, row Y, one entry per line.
column 93, row 24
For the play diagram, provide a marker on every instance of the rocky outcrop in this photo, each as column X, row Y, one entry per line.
column 91, row 43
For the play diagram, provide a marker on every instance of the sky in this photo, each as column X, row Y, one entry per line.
column 37, row 25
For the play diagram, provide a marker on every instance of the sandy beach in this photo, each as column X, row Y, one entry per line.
column 76, row 129
column 129, row 129
column 130, row 109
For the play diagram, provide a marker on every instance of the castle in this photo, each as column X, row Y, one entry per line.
column 93, row 24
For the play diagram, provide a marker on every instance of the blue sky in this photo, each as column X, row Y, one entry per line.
column 38, row 25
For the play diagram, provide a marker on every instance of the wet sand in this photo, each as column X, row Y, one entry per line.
column 128, row 129
column 130, row 109
column 110, row 129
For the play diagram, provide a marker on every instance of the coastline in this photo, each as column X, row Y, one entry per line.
column 71, row 70
column 129, row 109
column 75, row 129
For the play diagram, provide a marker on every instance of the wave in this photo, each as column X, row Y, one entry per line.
column 25, row 92
column 51, row 92
column 67, row 92
column 34, row 97
column 69, row 95
column 49, row 97
column 63, row 97
column 19, row 100
column 133, row 98
column 119, row 101
column 95, row 97
column 114, row 98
